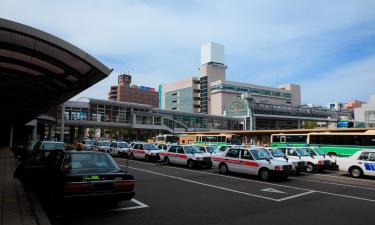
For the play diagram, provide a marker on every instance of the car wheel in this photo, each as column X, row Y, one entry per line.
column 264, row 174
column 356, row 172
column 166, row 161
column 223, row 168
column 132, row 156
column 147, row 158
column 310, row 167
column 190, row 164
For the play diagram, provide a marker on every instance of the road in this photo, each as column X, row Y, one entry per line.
column 177, row 195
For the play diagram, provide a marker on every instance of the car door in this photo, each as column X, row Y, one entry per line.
column 139, row 152
column 367, row 162
column 181, row 156
column 248, row 164
column 172, row 154
column 232, row 159
column 35, row 170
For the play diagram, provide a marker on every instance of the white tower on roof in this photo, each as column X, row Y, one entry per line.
column 212, row 53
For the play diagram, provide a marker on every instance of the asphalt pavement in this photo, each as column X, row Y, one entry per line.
column 177, row 195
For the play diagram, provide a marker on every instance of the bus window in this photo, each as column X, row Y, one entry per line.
column 276, row 138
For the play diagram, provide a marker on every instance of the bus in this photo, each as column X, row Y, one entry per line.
column 206, row 139
column 164, row 139
column 340, row 144
column 282, row 140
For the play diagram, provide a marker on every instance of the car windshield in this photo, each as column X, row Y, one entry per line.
column 192, row 149
column 103, row 143
column 302, row 152
column 275, row 152
column 150, row 147
column 122, row 145
column 53, row 146
column 260, row 154
column 319, row 151
column 84, row 163
column 89, row 142
column 213, row 149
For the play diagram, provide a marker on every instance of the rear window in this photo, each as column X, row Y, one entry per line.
column 83, row 163
column 53, row 146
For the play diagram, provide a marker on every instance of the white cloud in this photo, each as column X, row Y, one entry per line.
column 353, row 81
column 159, row 40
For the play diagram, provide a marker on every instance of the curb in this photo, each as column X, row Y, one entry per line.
column 40, row 215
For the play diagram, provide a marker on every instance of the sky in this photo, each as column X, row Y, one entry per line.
column 328, row 47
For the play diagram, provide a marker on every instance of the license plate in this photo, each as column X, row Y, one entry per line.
column 91, row 178
column 102, row 187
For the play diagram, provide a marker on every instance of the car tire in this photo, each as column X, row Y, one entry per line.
column 223, row 168
column 132, row 156
column 310, row 167
column 356, row 172
column 147, row 158
column 190, row 164
column 166, row 161
column 264, row 174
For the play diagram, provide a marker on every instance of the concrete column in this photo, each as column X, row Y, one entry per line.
column 62, row 125
column 10, row 137
column 71, row 134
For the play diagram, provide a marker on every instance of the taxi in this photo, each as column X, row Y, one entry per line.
column 314, row 162
column 256, row 161
column 360, row 164
column 189, row 155
column 145, row 151
column 299, row 165
column 318, row 152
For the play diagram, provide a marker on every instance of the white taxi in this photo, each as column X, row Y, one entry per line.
column 256, row 161
column 144, row 151
column 299, row 165
column 314, row 163
column 359, row 164
column 189, row 155
column 119, row 148
column 318, row 152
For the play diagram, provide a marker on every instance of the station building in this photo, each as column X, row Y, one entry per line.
column 211, row 92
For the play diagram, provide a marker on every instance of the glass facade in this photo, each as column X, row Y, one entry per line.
column 204, row 94
column 257, row 91
column 180, row 100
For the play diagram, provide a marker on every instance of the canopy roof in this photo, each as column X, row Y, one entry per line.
column 39, row 70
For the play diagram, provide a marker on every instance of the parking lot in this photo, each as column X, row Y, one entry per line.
column 177, row 195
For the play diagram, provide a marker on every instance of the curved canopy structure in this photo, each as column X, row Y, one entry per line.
column 39, row 70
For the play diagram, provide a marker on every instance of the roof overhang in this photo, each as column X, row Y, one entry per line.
column 39, row 70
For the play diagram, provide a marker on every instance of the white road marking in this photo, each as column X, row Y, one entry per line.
column 286, row 186
column 347, row 178
column 295, row 196
column 218, row 187
column 140, row 206
column 333, row 183
column 273, row 190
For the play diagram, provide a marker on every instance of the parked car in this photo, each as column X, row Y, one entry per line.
column 211, row 149
column 318, row 152
column 314, row 163
column 189, row 155
column 89, row 144
column 49, row 145
column 119, row 148
column 145, row 151
column 66, row 176
column 254, row 161
column 101, row 146
column 359, row 164
column 299, row 165
column 162, row 146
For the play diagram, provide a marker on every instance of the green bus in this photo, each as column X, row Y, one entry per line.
column 342, row 144
column 205, row 139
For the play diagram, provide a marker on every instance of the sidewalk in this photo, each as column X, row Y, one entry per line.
column 15, row 206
